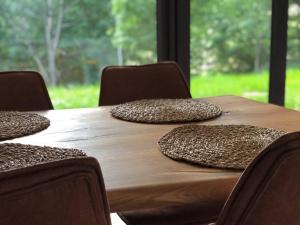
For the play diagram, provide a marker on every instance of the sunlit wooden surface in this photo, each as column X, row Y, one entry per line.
column 136, row 174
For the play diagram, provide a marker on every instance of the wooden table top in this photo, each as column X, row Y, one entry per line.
column 136, row 174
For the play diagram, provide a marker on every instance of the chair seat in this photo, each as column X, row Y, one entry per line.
column 192, row 214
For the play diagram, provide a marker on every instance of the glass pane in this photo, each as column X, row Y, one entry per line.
column 292, row 99
column 70, row 41
column 230, row 44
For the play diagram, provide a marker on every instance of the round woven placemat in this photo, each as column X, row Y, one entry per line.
column 15, row 156
column 221, row 146
column 18, row 124
column 166, row 110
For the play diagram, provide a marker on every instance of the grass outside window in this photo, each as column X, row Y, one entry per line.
column 253, row 86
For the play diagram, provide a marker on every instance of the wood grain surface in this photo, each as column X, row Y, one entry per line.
column 136, row 173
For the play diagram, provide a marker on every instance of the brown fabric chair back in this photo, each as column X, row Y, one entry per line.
column 121, row 84
column 23, row 91
column 268, row 193
column 66, row 192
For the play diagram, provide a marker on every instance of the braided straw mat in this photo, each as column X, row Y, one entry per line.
column 166, row 110
column 15, row 156
column 221, row 146
column 18, row 124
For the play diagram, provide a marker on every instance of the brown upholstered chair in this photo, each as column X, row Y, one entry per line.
column 60, row 192
column 268, row 193
column 161, row 80
column 121, row 84
column 23, row 91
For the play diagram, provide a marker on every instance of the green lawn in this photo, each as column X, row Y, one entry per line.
column 74, row 96
column 254, row 86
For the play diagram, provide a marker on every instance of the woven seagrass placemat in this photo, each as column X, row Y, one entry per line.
column 166, row 110
column 221, row 146
column 18, row 124
column 15, row 156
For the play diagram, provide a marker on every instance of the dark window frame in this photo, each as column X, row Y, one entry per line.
column 277, row 71
column 173, row 33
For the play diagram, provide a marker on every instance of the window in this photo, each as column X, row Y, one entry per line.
column 292, row 99
column 230, row 48
column 70, row 41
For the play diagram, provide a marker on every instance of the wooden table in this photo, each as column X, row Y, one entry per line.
column 136, row 174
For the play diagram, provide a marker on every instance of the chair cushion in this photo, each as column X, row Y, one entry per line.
column 178, row 215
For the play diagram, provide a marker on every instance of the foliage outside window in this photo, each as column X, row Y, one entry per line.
column 69, row 41
column 230, row 36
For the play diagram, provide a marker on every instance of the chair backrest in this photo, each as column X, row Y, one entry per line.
column 64, row 192
column 121, row 84
column 23, row 91
column 268, row 192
